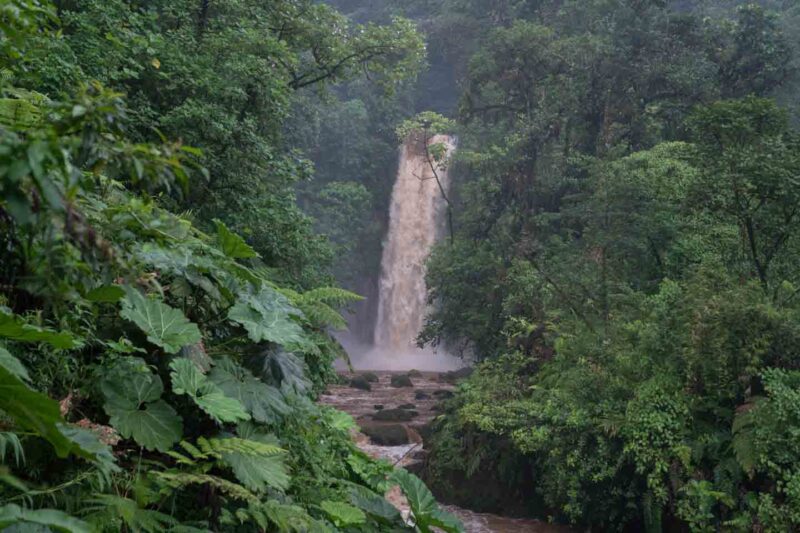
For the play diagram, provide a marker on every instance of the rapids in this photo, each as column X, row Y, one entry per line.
column 361, row 405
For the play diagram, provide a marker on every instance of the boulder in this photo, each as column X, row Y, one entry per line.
column 443, row 394
column 407, row 406
column 401, row 380
column 421, row 395
column 370, row 376
column 358, row 382
column 394, row 415
column 455, row 375
column 414, row 373
column 386, row 434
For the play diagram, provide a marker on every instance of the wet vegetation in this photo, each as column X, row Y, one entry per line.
column 192, row 191
column 165, row 305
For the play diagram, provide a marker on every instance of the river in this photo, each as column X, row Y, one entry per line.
column 424, row 396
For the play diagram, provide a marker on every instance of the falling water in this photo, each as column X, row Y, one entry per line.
column 416, row 220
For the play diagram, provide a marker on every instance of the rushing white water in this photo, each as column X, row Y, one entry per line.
column 416, row 220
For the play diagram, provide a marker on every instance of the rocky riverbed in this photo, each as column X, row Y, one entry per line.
column 394, row 410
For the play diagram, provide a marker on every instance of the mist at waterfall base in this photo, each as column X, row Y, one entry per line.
column 416, row 222
column 372, row 357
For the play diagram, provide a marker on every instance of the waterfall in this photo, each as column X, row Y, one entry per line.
column 416, row 220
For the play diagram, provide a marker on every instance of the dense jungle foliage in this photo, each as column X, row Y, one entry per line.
column 165, row 305
column 625, row 263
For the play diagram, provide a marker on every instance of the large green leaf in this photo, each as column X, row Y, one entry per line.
column 374, row 505
column 133, row 402
column 165, row 326
column 264, row 402
column 267, row 316
column 106, row 294
column 257, row 471
column 418, row 495
column 343, row 514
column 32, row 410
column 88, row 442
column 273, row 515
column 187, row 379
column 13, row 365
column 38, row 413
column 287, row 369
column 423, row 505
column 231, row 244
column 49, row 519
column 15, row 328
column 156, row 426
column 104, row 509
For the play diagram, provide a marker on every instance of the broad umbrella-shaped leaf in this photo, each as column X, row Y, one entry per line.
column 343, row 514
column 258, row 472
column 165, row 326
column 287, row 369
column 264, row 402
column 267, row 316
column 187, row 379
column 156, row 427
column 133, row 402
column 231, row 244
column 130, row 383
column 15, row 328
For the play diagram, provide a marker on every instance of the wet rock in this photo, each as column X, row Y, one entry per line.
column 378, row 406
column 418, row 454
column 425, row 432
column 455, row 375
column 401, row 380
column 415, row 467
column 414, row 373
column 407, row 406
column 370, row 377
column 421, row 395
column 358, row 382
column 443, row 394
column 394, row 415
column 386, row 434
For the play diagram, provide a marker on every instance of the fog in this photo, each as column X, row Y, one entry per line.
column 368, row 357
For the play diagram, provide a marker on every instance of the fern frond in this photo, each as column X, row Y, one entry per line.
column 744, row 433
column 241, row 446
column 273, row 515
column 178, row 480
column 333, row 296
column 108, row 509
column 181, row 459
column 322, row 315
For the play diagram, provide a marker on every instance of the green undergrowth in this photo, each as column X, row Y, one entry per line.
column 155, row 376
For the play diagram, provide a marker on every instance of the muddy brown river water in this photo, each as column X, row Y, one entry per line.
column 424, row 395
